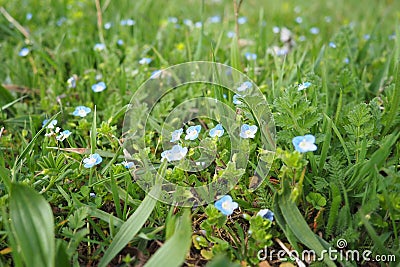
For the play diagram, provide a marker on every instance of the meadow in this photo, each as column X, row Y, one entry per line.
column 284, row 151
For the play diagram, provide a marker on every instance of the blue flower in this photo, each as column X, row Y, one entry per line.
column 91, row 194
column 198, row 24
column 127, row 22
column 217, row 131
column 303, row 86
column 314, row 30
column 145, row 60
column 173, row 20
column 304, row 143
column 51, row 125
column 175, row 135
column 226, row 205
column 236, row 101
column 192, row 132
column 92, row 160
column 61, row 21
column 99, row 87
column 244, row 86
column 176, row 153
column 214, row 19
column 242, row 20
column 127, row 165
column 63, row 135
column 346, row 60
column 29, row 16
column 24, row 52
column 188, row 22
column 81, row 111
column 99, row 47
column 230, row 34
column 108, row 25
column 332, row 45
column 299, row 20
column 266, row 214
column 250, row 56
column 367, row 36
column 276, row 29
column 71, row 82
column 248, row 131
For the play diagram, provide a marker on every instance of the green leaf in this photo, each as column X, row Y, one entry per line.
column 131, row 227
column 62, row 259
column 173, row 252
column 32, row 226
column 316, row 199
column 222, row 261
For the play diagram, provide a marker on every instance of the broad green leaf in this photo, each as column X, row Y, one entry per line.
column 173, row 252
column 131, row 227
column 32, row 226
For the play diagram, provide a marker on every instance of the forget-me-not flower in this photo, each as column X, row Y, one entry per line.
column 120, row 42
column 236, row 101
column 303, row 86
column 214, row 19
column 51, row 125
column 266, row 214
column 63, row 135
column 71, row 82
column 299, row 20
column 248, row 131
column 107, row 25
column 226, row 205
column 127, row 22
column 218, row 130
column 127, row 165
column 230, row 34
column 192, row 132
column 305, row 143
column 99, row 87
column 314, row 30
column 276, row 29
column 92, row 160
column 242, row 20
column 99, row 47
column 145, row 61
column 175, row 135
column 81, row 111
column 24, row 52
column 244, row 86
column 177, row 152
column 332, row 45
column 250, row 56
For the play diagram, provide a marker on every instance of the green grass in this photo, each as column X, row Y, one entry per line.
column 349, row 188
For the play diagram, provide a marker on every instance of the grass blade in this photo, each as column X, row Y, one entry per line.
column 32, row 225
column 174, row 251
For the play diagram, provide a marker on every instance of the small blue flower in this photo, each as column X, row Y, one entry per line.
column 127, row 165
column 99, row 47
column 81, row 111
column 236, row 101
column 173, row 20
column 332, row 45
column 71, row 82
column 266, row 214
column 250, row 56
column 305, row 143
column 314, row 30
column 276, row 29
column 242, row 20
column 91, row 194
column 248, row 131
column 24, row 52
column 302, row 38
column 366, row 37
column 299, row 20
column 192, row 132
column 145, row 60
column 127, row 22
column 29, row 16
column 214, row 19
column 346, row 60
column 230, row 34
column 61, row 21
column 226, row 205
column 63, row 135
column 108, row 25
column 120, row 42
column 244, row 86
column 176, row 135
column 99, row 87
column 218, row 130
column 51, row 125
column 198, row 24
column 92, row 160
column 176, row 153
column 303, row 86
